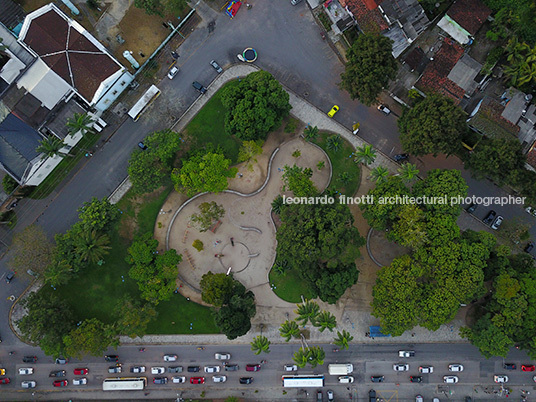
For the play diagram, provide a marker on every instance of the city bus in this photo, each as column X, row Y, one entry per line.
column 140, row 106
column 124, row 384
column 301, row 381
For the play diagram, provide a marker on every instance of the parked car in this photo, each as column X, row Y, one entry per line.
column 319, row 396
column 197, row 380
column 509, row 366
column 246, row 380
column 455, row 367
column 115, row 369
column 400, row 157
column 80, row 381
column 330, row 395
column 383, row 108
column 529, row 247
column 346, row 379
column 377, row 378
column 175, row 369
column 333, row 110
column 5, row 380
column 58, row 373
column 28, row 384
column 160, row 380
column 111, row 358
column 9, row 277
column 219, row 378
column 158, row 370
column 61, row 360
column 137, row 369
column 193, row 369
column 472, row 208
column 500, row 378
column 60, row 383
column 81, row 371
column 216, row 66
column 527, row 367
column 489, row 217
column 531, row 211
column 253, row 367
column 26, row 371
column 2, row 371
column 142, row 146
column 173, row 71
column 178, row 380
column 170, row 358
column 418, row 398
column 202, row 89
column 401, row 367
column 212, row 369
column 290, row 367
column 415, row 378
column 232, row 367
column 497, row 222
column 406, row 353
column 426, row 369
column 450, row 379
column 222, row 356
column 29, row 359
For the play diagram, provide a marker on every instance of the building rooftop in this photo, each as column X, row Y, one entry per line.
column 488, row 120
column 469, row 14
column 366, row 13
column 464, row 73
column 12, row 14
column 415, row 59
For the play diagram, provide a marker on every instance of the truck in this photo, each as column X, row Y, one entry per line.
column 340, row 369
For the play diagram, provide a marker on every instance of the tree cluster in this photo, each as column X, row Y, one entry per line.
column 255, row 106
column 209, row 213
column 235, row 306
column 298, row 180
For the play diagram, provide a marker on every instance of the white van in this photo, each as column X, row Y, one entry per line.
column 340, row 369
column 347, row 379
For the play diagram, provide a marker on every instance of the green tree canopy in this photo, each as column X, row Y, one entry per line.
column 133, row 316
column 343, row 339
column 435, row 125
column 298, row 180
column 80, row 122
column 99, row 215
column 217, row 289
column 255, row 106
column 209, row 213
column 248, row 153
column 91, row 337
column 289, row 330
column 369, row 68
column 234, row 319
column 325, row 320
column 203, row 172
column 260, row 344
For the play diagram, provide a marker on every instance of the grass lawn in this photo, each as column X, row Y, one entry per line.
column 289, row 287
column 207, row 127
column 341, row 162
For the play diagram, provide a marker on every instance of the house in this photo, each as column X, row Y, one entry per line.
column 451, row 72
column 463, row 20
column 402, row 21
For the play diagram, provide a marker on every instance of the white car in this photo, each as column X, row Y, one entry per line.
column 426, row 369
column 406, row 353
column 170, row 358
column 212, row 369
column 26, row 371
column 28, row 384
column 80, row 381
column 346, row 379
column 418, row 398
column 401, row 367
column 158, row 370
column 500, row 378
column 173, row 72
column 450, row 379
column 222, row 356
column 455, row 367
column 178, row 380
column 290, row 367
column 137, row 369
column 497, row 222
column 219, row 378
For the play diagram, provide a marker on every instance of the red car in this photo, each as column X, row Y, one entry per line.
column 60, row 383
column 4, row 381
column 527, row 367
column 81, row 371
column 197, row 380
column 253, row 367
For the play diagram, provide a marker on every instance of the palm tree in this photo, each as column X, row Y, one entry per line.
column 334, row 142
column 379, row 174
column 301, row 357
column 408, row 171
column 307, row 311
column 325, row 320
column 316, row 356
column 343, row 339
column 365, row 155
column 277, row 203
column 310, row 133
column 344, row 178
column 50, row 147
column 260, row 344
column 289, row 329
column 80, row 122
column 92, row 246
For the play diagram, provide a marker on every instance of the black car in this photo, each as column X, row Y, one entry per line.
column 528, row 248
column 400, row 157
column 193, row 369
column 29, row 359
column 415, row 378
column 509, row 366
column 231, row 367
column 10, row 276
column 58, row 373
column 246, row 380
column 199, row 87
column 142, row 146
column 490, row 217
column 160, row 380
column 175, row 369
column 377, row 378
column 471, row 208
column 111, row 358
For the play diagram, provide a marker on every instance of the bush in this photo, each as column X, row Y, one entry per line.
column 9, row 184
column 198, row 245
column 491, row 60
column 296, row 153
column 290, row 128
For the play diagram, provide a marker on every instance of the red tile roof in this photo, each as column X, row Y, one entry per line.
column 368, row 16
column 469, row 14
column 436, row 72
column 70, row 54
column 531, row 156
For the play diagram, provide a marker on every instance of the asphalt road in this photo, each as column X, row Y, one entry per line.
column 368, row 360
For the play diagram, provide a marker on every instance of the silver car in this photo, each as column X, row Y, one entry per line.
column 216, row 66
column 401, row 367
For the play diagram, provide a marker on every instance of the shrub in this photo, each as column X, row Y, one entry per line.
column 296, row 153
column 291, row 126
column 9, row 184
column 198, row 245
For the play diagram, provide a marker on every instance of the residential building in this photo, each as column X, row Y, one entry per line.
column 463, row 20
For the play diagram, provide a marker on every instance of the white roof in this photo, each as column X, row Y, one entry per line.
column 12, row 68
column 452, row 28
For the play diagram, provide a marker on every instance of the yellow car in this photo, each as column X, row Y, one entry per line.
column 2, row 371
column 333, row 110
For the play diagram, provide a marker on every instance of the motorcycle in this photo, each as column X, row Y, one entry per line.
column 336, row 350
column 200, row 348
column 323, row 35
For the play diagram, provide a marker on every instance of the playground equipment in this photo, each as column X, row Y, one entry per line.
column 249, row 55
